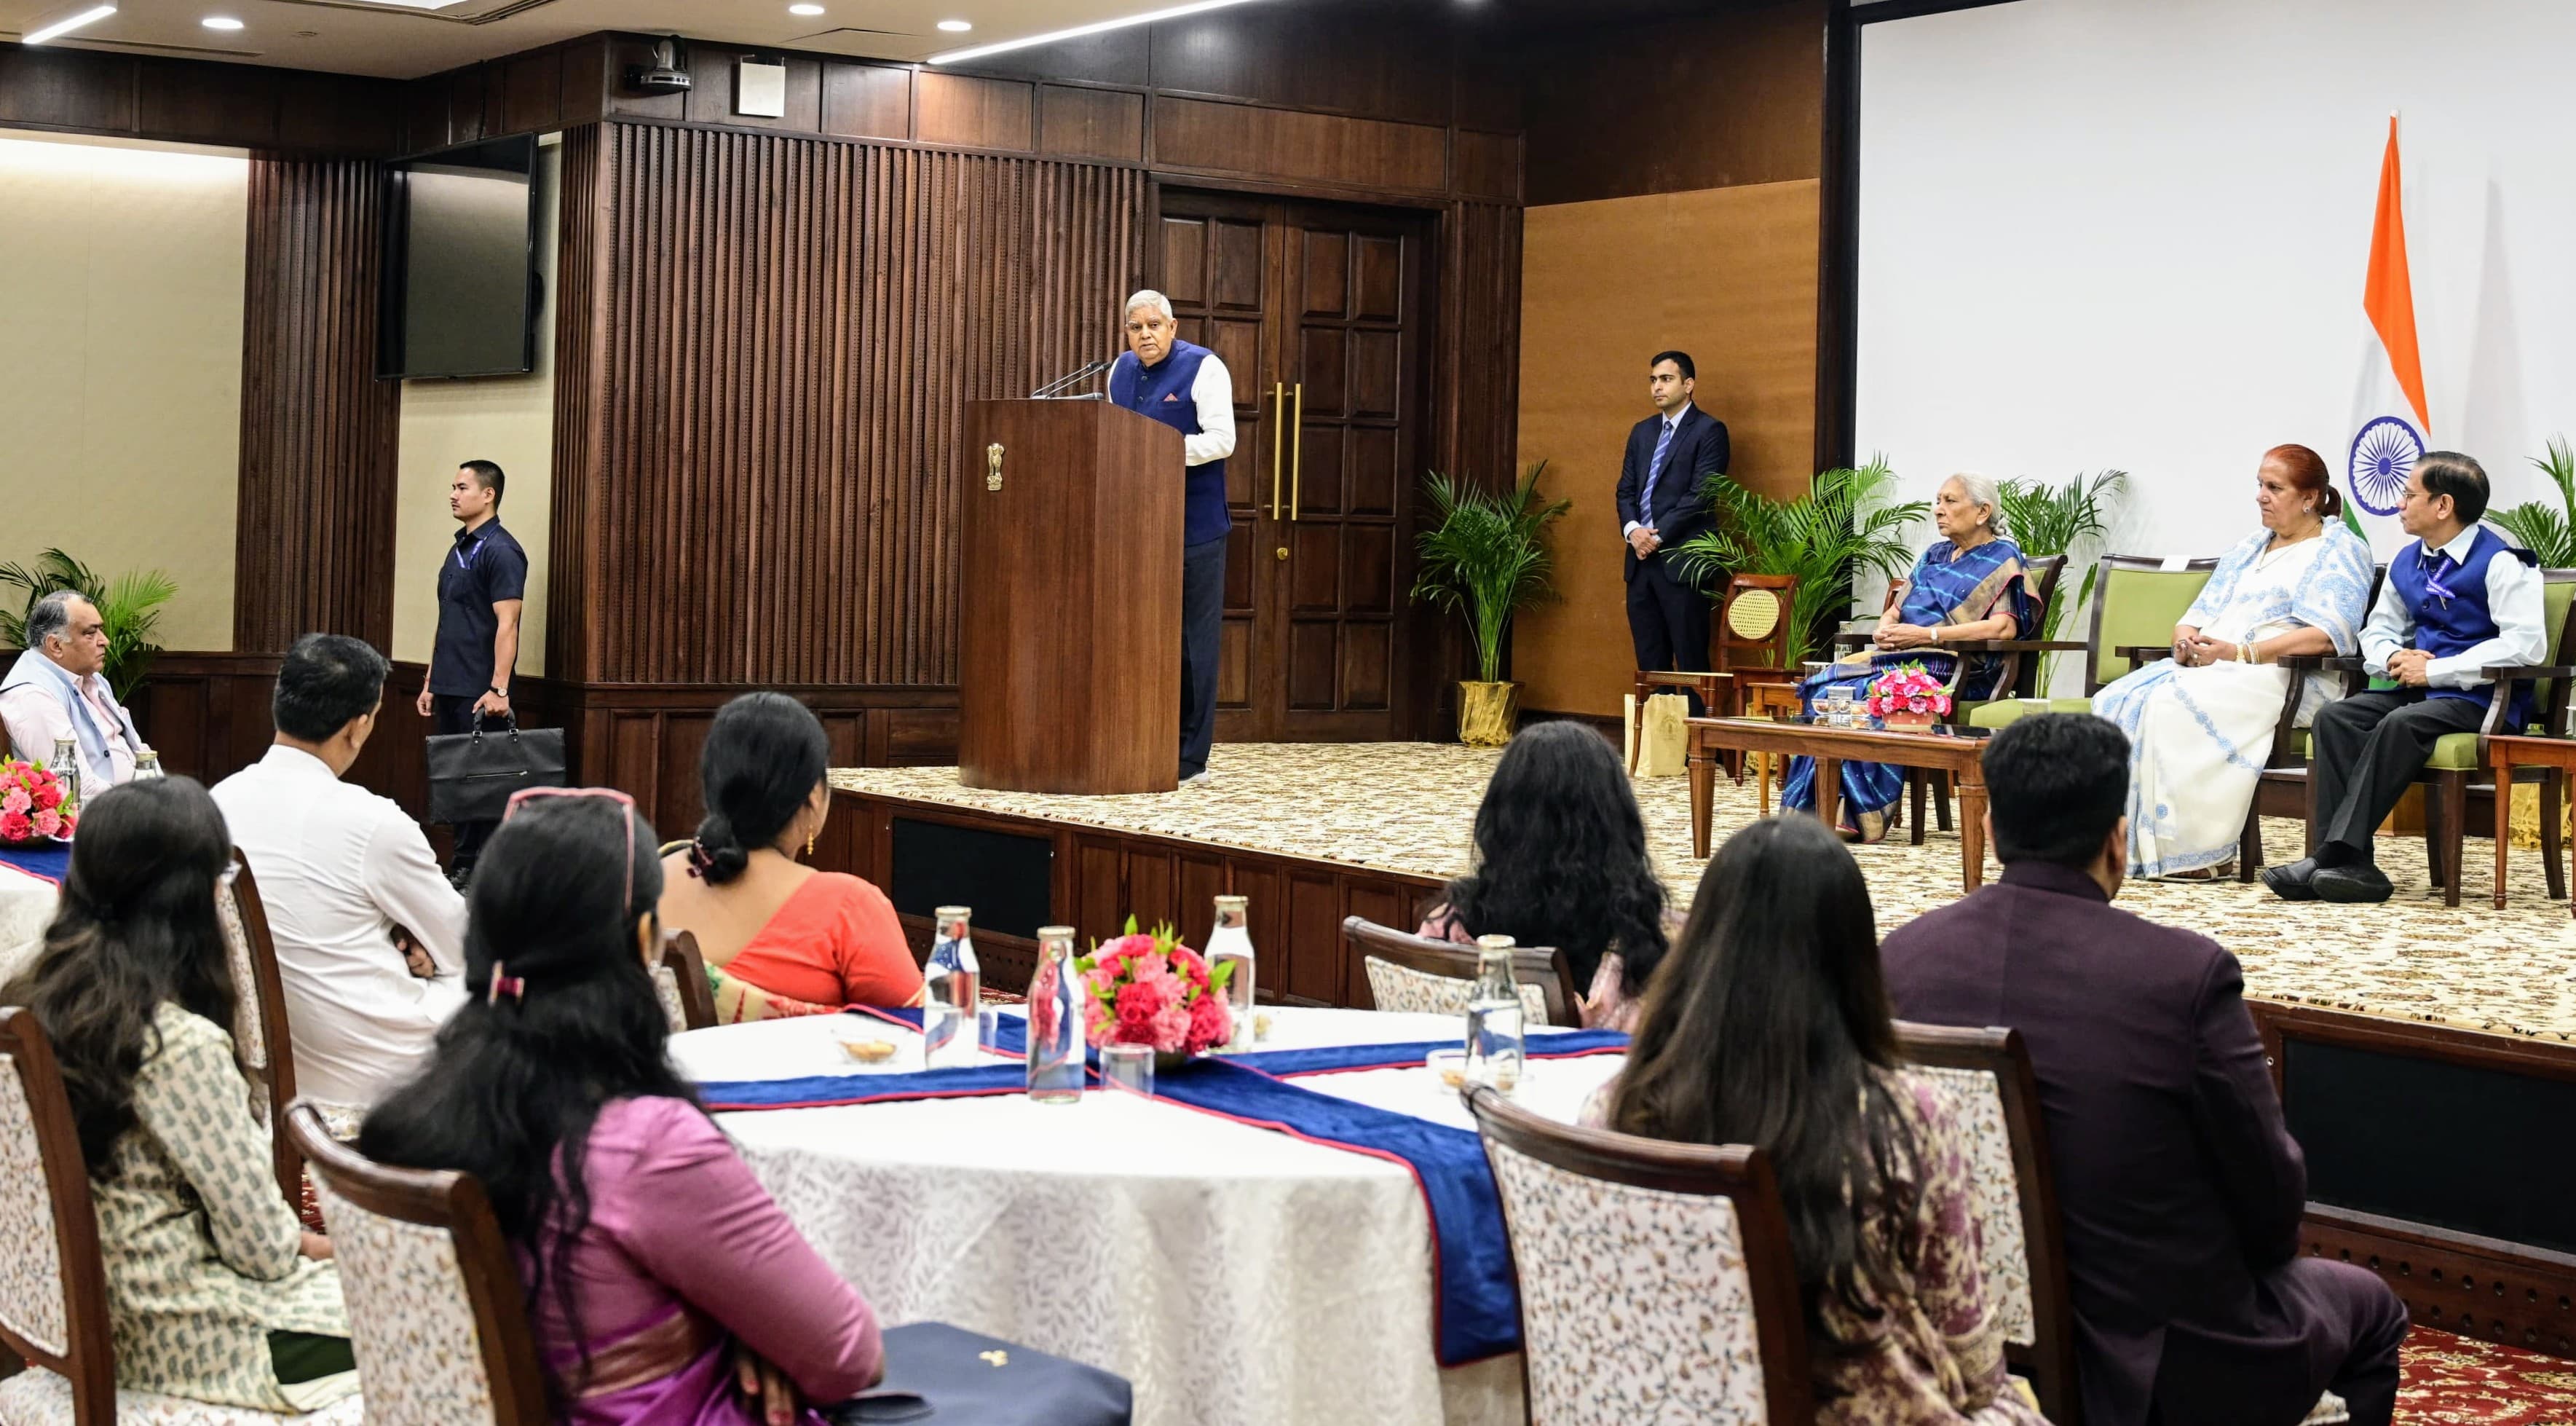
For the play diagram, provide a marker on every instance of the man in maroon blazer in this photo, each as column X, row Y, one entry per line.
column 2180, row 1187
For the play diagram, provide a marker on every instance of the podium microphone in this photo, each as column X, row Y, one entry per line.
column 1074, row 378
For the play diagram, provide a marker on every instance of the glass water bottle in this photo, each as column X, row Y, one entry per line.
column 1055, row 1020
column 1230, row 944
column 147, row 766
column 1494, row 1018
column 66, row 769
column 951, row 978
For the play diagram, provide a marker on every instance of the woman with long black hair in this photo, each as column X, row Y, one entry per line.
column 1770, row 1026
column 656, row 1263
column 214, row 1291
column 1561, row 862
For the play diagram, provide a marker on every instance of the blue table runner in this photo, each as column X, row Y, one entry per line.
column 1477, row 1305
column 51, row 863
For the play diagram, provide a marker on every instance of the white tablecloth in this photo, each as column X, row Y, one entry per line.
column 26, row 908
column 1237, row 1277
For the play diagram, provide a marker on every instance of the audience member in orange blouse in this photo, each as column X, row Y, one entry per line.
column 1561, row 863
column 763, row 920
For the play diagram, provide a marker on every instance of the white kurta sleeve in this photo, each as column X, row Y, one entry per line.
column 1213, row 390
column 401, row 876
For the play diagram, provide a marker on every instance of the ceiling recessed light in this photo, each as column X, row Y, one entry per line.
column 804, row 9
column 62, row 22
column 956, row 27
column 1171, row 12
column 220, row 22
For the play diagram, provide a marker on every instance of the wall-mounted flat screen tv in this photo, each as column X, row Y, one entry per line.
column 460, row 291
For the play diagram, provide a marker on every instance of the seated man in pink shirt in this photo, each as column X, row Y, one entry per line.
column 58, row 689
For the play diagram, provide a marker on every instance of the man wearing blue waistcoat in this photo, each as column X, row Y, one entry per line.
column 1186, row 387
column 2458, row 601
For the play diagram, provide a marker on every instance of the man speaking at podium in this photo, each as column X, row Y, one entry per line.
column 1186, row 387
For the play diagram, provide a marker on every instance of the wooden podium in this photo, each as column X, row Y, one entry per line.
column 1069, row 639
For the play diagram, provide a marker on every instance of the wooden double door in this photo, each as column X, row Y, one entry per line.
column 1317, row 311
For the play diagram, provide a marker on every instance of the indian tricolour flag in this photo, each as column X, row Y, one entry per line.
column 2391, row 427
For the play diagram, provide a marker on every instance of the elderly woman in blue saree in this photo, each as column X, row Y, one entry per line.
column 1968, row 586
column 2200, row 723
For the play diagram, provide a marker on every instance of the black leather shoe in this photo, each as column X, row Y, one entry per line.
column 2361, row 883
column 2293, row 882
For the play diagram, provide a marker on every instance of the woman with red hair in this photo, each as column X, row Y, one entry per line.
column 2200, row 722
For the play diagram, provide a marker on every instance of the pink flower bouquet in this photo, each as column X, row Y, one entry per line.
column 1152, row 990
column 1906, row 694
column 31, row 805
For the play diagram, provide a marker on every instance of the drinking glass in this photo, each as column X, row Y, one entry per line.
column 1127, row 1067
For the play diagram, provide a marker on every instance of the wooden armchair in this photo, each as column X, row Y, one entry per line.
column 2458, row 766
column 1649, row 1272
column 1416, row 973
column 261, row 1042
column 680, row 982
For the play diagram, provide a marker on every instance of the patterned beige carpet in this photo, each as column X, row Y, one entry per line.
column 1409, row 807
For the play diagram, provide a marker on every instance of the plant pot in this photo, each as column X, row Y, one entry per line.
column 1910, row 722
column 1487, row 713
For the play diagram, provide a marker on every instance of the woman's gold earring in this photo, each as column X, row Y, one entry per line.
column 809, row 844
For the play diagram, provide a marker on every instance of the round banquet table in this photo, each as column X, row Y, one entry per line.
column 27, row 903
column 1235, row 1276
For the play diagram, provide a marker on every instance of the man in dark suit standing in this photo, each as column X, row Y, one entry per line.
column 1660, row 504
column 2179, row 1185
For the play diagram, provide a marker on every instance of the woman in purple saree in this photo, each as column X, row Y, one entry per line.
column 665, row 1287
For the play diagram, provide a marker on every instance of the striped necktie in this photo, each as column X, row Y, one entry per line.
column 1655, row 469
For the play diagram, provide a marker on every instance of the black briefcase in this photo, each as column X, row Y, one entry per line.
column 471, row 775
column 939, row 1374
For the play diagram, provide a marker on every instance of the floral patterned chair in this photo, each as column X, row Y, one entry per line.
column 434, row 1297
column 53, row 1287
column 1418, row 975
column 260, row 1037
column 1656, row 1279
column 1993, row 1093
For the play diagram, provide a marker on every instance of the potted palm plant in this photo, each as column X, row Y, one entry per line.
column 2550, row 534
column 1845, row 522
column 1485, row 554
column 128, row 605
column 2045, row 520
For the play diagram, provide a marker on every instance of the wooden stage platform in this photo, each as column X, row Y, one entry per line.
column 2427, row 1054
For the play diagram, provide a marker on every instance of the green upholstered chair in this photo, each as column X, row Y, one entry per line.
column 2458, row 766
column 2137, row 600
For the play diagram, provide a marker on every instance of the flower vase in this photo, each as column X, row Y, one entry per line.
column 1907, row 721
column 1166, row 1061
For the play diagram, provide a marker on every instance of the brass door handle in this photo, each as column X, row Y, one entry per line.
column 1278, row 438
column 1297, row 454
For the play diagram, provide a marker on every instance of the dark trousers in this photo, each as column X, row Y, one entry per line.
column 1667, row 620
column 2326, row 1326
column 1202, row 616
column 454, row 713
column 2369, row 747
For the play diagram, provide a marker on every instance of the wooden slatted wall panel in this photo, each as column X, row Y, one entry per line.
column 579, row 320
column 315, row 541
column 1483, row 301
column 787, row 333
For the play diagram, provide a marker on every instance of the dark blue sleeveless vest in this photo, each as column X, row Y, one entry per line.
column 2453, row 622
column 1162, row 392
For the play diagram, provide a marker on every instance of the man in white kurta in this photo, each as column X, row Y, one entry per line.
column 342, row 874
column 58, row 689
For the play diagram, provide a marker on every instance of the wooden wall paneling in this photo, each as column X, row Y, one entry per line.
column 586, row 80
column 1748, row 316
column 1198, row 879
column 211, row 103
column 1766, row 59
column 532, row 92
column 67, row 89
column 1297, row 145
column 1099, row 903
column 867, row 101
column 1153, row 890
column 968, row 112
column 1091, row 123
column 424, row 114
column 339, row 113
column 1359, row 57
column 584, row 243
column 469, row 104
column 1487, row 165
column 1314, row 939
column 314, row 545
column 786, row 334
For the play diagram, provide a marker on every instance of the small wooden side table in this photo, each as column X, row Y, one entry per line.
column 2504, row 754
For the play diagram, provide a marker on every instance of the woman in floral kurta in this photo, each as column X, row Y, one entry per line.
column 213, row 1286
column 1769, row 1025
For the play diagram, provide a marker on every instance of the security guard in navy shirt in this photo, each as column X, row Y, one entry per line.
column 480, row 588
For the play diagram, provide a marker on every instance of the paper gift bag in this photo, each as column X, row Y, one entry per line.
column 1667, row 743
